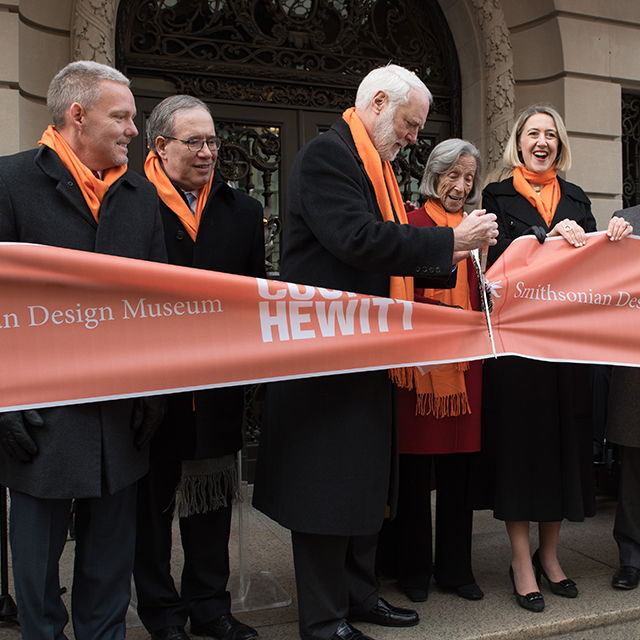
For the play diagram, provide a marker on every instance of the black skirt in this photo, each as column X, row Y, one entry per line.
column 536, row 461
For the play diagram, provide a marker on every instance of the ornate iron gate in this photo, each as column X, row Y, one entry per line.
column 303, row 56
column 630, row 149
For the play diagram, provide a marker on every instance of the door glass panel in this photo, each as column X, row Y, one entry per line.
column 249, row 160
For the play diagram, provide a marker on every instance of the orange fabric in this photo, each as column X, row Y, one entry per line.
column 547, row 200
column 387, row 191
column 170, row 196
column 442, row 392
column 93, row 189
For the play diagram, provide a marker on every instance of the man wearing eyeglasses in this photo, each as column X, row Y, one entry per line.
column 208, row 225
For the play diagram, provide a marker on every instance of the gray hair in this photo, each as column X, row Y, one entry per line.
column 512, row 157
column 79, row 82
column 161, row 120
column 397, row 82
column 442, row 160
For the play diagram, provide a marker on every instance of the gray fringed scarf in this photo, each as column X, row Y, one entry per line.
column 207, row 485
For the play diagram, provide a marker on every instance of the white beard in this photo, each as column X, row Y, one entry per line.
column 385, row 139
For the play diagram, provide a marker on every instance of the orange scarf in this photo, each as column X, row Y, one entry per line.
column 93, row 189
column 170, row 196
column 386, row 188
column 442, row 392
column 547, row 200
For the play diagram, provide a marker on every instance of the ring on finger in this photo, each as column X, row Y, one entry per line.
column 567, row 227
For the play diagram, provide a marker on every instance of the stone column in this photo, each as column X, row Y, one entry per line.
column 498, row 63
column 92, row 36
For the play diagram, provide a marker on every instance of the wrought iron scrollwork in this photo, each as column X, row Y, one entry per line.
column 631, row 149
column 303, row 53
column 250, row 159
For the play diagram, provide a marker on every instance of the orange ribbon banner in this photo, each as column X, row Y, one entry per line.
column 77, row 326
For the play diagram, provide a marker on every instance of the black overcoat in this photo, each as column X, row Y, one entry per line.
column 623, row 419
column 536, row 450
column 328, row 446
column 84, row 445
column 208, row 424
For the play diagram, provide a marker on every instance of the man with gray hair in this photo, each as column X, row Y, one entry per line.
column 328, row 446
column 75, row 191
column 208, row 225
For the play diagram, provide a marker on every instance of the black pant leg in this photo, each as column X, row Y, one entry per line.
column 321, row 581
column 361, row 573
column 205, row 540
column 626, row 529
column 38, row 535
column 454, row 523
column 159, row 604
column 105, row 549
column 405, row 542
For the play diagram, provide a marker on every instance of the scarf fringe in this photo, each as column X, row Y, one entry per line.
column 202, row 493
column 428, row 403
column 442, row 407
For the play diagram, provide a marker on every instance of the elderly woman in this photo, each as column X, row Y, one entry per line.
column 536, row 426
column 439, row 418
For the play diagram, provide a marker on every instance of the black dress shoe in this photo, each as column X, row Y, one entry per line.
column 470, row 591
column 224, row 628
column 533, row 601
column 626, row 577
column 170, row 633
column 566, row 588
column 346, row 632
column 387, row 615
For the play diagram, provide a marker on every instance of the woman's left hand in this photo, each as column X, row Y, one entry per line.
column 409, row 206
column 618, row 228
column 571, row 231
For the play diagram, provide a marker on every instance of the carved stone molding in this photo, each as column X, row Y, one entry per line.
column 93, row 30
column 498, row 62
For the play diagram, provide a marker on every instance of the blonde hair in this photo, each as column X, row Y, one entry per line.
column 512, row 157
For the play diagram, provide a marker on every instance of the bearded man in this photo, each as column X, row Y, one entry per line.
column 327, row 464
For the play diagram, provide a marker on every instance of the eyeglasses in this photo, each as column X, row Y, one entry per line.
column 196, row 145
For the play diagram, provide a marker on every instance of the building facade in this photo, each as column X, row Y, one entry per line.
column 302, row 60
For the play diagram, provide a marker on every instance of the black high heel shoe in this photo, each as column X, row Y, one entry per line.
column 566, row 588
column 533, row 601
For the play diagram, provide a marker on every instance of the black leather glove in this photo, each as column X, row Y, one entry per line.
column 148, row 413
column 15, row 438
column 451, row 306
column 538, row 232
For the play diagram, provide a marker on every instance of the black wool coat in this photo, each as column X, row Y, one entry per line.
column 208, row 423
column 516, row 214
column 327, row 461
column 87, row 447
column 623, row 420
column 536, row 450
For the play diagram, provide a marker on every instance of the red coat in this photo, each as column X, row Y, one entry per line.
column 426, row 434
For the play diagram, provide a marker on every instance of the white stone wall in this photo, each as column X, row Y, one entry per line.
column 9, row 96
column 34, row 45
